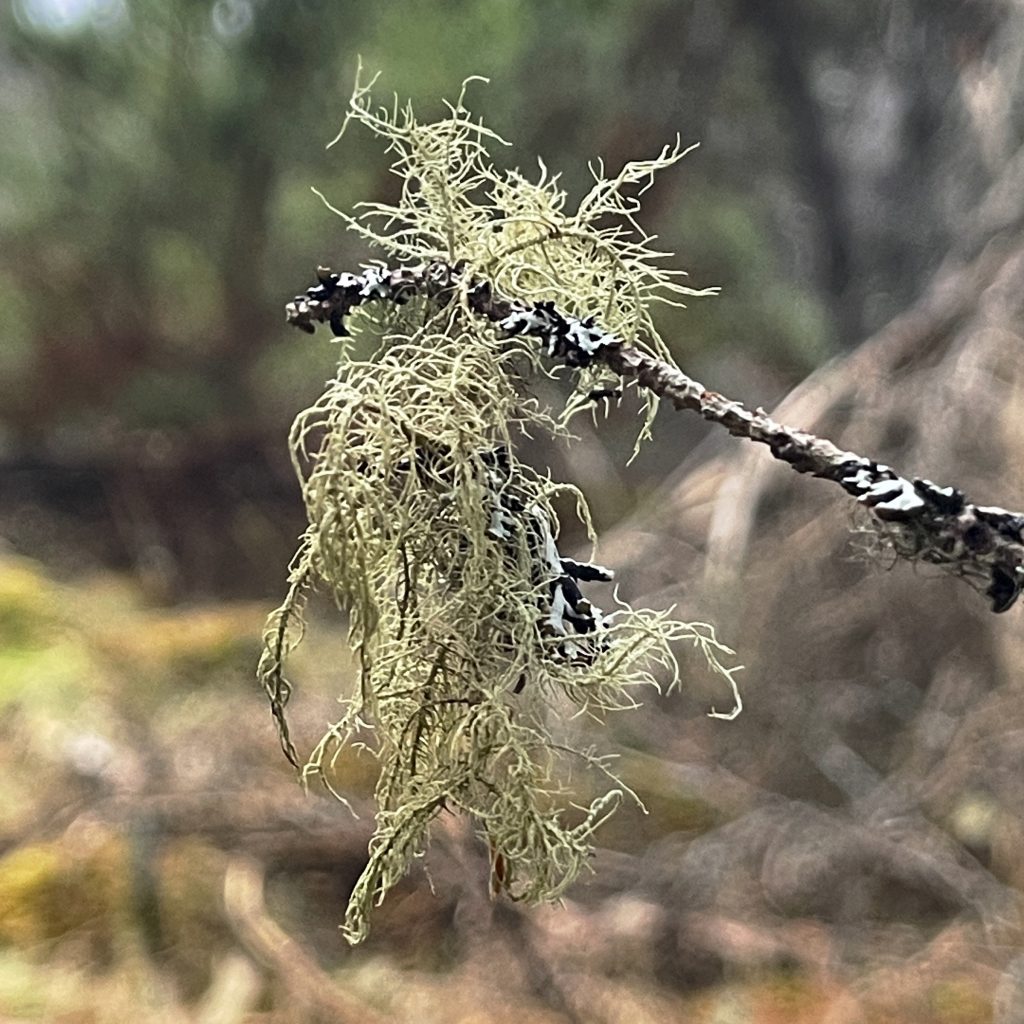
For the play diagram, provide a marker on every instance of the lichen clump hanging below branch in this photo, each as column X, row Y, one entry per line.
column 471, row 628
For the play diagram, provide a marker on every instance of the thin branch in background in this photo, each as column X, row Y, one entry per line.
column 308, row 985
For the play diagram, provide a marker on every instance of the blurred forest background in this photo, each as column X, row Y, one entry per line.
column 850, row 849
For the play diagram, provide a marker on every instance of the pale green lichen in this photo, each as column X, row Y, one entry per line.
column 403, row 461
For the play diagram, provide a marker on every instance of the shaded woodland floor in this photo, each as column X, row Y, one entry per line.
column 158, row 861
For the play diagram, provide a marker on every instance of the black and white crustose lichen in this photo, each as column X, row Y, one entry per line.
column 919, row 519
column 567, row 613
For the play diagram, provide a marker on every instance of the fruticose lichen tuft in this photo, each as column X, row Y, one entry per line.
column 472, row 631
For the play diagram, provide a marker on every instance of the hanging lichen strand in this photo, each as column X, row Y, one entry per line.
column 472, row 632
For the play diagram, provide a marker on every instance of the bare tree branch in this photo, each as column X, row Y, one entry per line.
column 920, row 520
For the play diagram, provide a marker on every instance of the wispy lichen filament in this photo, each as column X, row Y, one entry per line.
column 469, row 626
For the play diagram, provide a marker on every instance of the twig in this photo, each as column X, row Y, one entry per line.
column 233, row 993
column 919, row 519
column 307, row 983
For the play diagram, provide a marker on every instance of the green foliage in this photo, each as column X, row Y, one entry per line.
column 154, row 181
column 440, row 543
column 45, row 893
column 792, row 322
column 26, row 599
